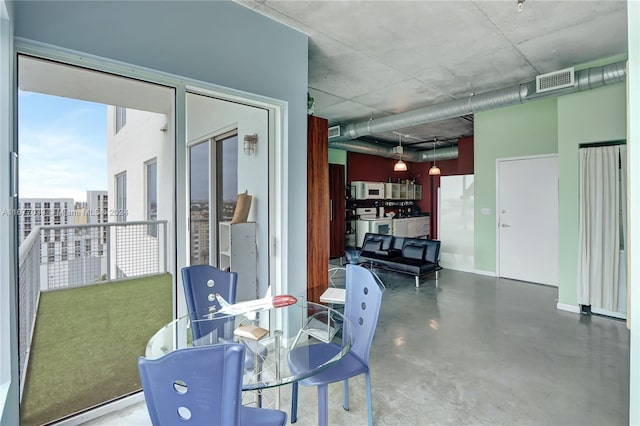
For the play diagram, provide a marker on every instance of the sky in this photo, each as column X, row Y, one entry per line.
column 62, row 147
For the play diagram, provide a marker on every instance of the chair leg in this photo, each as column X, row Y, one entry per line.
column 345, row 402
column 417, row 281
column 294, row 402
column 323, row 405
column 369, row 400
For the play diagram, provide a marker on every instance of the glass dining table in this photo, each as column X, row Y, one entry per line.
column 267, row 346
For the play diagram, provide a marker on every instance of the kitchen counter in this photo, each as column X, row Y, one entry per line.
column 405, row 216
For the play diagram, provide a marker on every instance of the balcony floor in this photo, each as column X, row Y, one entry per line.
column 86, row 343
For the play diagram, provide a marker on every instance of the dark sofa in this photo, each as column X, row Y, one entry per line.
column 412, row 256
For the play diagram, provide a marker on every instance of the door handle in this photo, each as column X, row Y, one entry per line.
column 504, row 225
column 330, row 210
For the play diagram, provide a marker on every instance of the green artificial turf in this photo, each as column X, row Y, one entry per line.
column 86, row 345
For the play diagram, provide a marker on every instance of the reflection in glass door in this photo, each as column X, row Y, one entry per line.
column 221, row 151
column 227, row 177
column 199, row 203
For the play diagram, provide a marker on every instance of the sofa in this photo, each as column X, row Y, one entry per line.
column 412, row 256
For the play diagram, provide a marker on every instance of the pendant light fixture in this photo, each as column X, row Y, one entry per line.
column 434, row 170
column 400, row 165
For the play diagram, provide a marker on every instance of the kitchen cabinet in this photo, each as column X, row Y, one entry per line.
column 419, row 226
column 318, row 217
column 411, row 227
column 402, row 191
column 417, row 192
column 393, row 191
column 400, row 227
column 238, row 253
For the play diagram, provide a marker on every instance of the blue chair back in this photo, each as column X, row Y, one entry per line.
column 201, row 283
column 197, row 385
column 362, row 308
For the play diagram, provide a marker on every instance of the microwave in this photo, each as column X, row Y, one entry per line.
column 369, row 190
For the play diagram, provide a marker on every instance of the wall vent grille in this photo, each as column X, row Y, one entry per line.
column 334, row 131
column 555, row 80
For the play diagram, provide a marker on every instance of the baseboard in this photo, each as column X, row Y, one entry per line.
column 599, row 311
column 103, row 410
column 485, row 273
column 569, row 308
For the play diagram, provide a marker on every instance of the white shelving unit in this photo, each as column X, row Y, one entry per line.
column 402, row 191
column 238, row 253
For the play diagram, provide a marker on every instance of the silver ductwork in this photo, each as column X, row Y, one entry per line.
column 372, row 148
column 586, row 79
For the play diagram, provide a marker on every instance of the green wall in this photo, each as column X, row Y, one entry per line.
column 337, row 156
column 517, row 131
column 591, row 116
column 554, row 125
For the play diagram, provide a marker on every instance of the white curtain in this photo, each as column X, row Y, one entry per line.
column 599, row 237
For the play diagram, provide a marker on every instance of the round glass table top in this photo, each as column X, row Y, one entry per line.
column 267, row 348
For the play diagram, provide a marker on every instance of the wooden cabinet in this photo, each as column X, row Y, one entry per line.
column 238, row 253
column 336, row 210
column 317, row 207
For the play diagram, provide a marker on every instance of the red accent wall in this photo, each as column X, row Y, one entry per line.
column 380, row 169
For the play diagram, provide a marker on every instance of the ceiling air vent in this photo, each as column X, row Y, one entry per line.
column 555, row 80
column 334, row 131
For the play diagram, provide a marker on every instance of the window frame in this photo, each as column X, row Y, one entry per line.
column 120, row 118
column 121, row 197
column 151, row 214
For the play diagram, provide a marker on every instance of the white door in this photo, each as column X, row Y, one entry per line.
column 527, row 212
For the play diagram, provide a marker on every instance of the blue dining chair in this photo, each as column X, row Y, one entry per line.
column 201, row 386
column 362, row 307
column 201, row 283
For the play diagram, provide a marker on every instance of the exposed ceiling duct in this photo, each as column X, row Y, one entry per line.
column 372, row 148
column 586, row 79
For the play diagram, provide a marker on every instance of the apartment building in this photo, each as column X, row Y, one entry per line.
column 44, row 211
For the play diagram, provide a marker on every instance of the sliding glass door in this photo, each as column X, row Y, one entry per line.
column 95, row 278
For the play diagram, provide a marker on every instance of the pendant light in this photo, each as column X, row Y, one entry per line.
column 434, row 170
column 400, row 165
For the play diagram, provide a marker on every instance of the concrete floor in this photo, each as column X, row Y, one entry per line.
column 477, row 350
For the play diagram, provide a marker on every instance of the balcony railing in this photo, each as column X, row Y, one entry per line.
column 65, row 256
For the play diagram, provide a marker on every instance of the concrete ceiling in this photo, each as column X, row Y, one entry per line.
column 371, row 59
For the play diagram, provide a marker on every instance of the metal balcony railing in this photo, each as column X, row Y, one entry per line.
column 59, row 257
